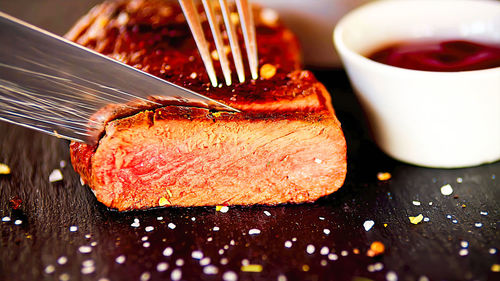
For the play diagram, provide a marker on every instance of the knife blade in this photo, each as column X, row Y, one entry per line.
column 53, row 85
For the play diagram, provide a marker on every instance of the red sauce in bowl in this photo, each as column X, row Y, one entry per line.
column 443, row 56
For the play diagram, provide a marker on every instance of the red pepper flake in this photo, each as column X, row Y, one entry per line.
column 15, row 202
column 376, row 248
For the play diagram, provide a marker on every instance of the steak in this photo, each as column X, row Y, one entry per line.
column 286, row 145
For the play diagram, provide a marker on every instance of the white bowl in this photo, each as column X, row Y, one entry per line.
column 433, row 119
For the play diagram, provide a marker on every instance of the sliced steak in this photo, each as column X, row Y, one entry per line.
column 285, row 146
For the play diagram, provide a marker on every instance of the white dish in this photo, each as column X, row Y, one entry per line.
column 434, row 119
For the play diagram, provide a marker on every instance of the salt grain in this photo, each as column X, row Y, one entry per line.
column 62, row 260
column 224, row 209
column 120, row 259
column 464, row 244
column 483, row 213
column 463, row 252
column 73, row 228
column 85, row 249
column 56, row 175
column 88, row 263
column 176, row 274
column 426, row 219
column 326, row 231
column 144, row 238
column 87, row 270
column 344, row 253
column 492, row 251
column 6, row 219
column 224, row 261
column 145, row 276
column 332, row 257
column 162, row 266
column 288, row 244
column 168, row 252
column 146, row 244
column 391, row 276
column 18, row 222
column 210, row 270
column 267, row 213
column 323, row 262
column 310, row 249
column 216, row 228
column 368, row 225
column 159, row 218
column 416, row 203
column 254, row 231
column 64, row 277
column 179, row 262
column 171, row 225
column 229, row 276
column 62, row 163
column 205, row 261
column 93, row 243
column 317, row 160
column 282, row 277
column 50, row 269
column 446, row 189
column 321, row 218
column 324, row 251
column 193, row 218
column 478, row 225
column 197, row 255
column 149, row 228
column 454, row 221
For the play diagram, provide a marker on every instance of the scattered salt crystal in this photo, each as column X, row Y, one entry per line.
column 162, row 266
column 135, row 224
column 93, row 243
column 171, row 225
column 232, row 243
column 229, row 276
column 464, row 244
column 56, row 175
column 324, row 251
column 85, row 249
column 310, row 249
column 224, row 261
column 459, row 180
column 120, row 259
column 254, row 231
column 282, row 277
column 224, row 209
column 269, row 16
column 322, row 218
column 288, row 244
column 317, row 160
column 179, row 262
column 73, row 228
column 88, row 236
column 50, row 269
column 378, row 266
column 6, row 219
column 332, row 257
column 492, row 251
column 88, row 263
column 176, row 274
column 144, row 238
column 267, row 213
column 483, row 213
column 446, row 189
column 210, row 270
column 81, row 181
column 159, row 218
column 216, row 228
column 391, row 276
column 448, row 216
column 64, row 277
column 430, row 203
column 221, row 251
column 193, row 218
column 454, row 221
column 146, row 244
column 245, row 262
column 197, row 255
column 168, row 251
column 18, row 222
column 344, row 253
column 205, row 261
column 324, row 263
column 145, row 276
column 294, row 239
column 423, row 278
column 463, row 252
column 426, row 219
column 368, row 225
column 62, row 163
column 326, row 231
column 62, row 260
column 149, row 228
column 416, row 203
column 478, row 224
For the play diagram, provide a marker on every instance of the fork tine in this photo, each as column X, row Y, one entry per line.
column 233, row 40
column 248, row 28
column 191, row 14
column 214, row 26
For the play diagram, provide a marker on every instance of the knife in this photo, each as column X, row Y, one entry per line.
column 53, row 85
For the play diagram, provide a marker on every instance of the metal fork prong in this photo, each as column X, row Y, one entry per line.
column 219, row 44
column 233, row 40
column 248, row 28
column 191, row 14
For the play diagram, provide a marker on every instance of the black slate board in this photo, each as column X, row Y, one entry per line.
column 32, row 249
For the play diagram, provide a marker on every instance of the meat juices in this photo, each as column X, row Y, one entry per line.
column 285, row 146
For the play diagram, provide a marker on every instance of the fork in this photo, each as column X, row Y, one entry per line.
column 248, row 29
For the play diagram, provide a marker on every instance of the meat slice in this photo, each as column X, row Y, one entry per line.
column 285, row 146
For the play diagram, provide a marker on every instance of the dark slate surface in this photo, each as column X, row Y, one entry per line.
column 41, row 246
